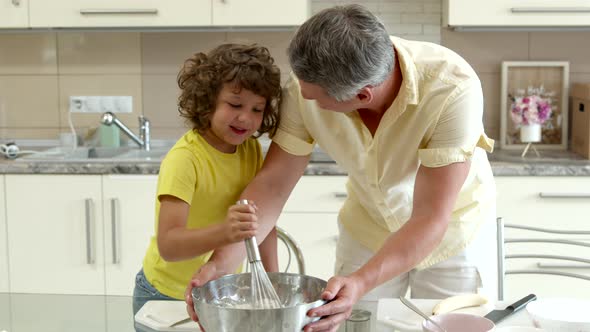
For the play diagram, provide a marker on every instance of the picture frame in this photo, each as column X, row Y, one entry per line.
column 548, row 79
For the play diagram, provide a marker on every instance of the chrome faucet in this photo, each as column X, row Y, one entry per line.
column 143, row 140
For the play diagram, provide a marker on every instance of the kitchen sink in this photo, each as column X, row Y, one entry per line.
column 89, row 154
column 154, row 154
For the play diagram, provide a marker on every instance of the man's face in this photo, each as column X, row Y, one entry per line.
column 315, row 92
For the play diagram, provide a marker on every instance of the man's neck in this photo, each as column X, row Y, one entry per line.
column 386, row 92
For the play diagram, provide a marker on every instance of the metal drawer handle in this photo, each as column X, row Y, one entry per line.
column 562, row 266
column 114, row 223
column 555, row 273
column 16, row 3
column 564, row 195
column 149, row 11
column 89, row 209
column 549, row 10
column 340, row 194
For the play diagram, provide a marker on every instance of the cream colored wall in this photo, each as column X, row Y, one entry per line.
column 39, row 71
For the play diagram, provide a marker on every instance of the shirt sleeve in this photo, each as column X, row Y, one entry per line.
column 292, row 136
column 178, row 175
column 459, row 129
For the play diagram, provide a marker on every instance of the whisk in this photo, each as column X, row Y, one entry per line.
column 264, row 295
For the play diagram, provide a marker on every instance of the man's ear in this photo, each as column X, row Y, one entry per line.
column 365, row 95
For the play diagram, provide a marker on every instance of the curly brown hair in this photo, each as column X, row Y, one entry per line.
column 247, row 66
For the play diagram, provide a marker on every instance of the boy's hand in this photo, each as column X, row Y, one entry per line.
column 241, row 222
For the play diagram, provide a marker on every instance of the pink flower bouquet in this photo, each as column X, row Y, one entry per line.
column 531, row 109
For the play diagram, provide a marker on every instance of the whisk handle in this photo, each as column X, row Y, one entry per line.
column 251, row 243
column 252, row 250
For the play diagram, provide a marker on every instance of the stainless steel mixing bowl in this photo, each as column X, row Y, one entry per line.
column 221, row 304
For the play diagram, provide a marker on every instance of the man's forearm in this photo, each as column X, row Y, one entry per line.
column 402, row 251
column 269, row 191
column 268, row 252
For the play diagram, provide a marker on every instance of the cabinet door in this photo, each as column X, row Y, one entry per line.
column 546, row 202
column 119, row 13
column 316, row 234
column 559, row 203
column 517, row 13
column 5, row 323
column 55, row 244
column 4, row 285
column 129, row 214
column 317, row 194
column 14, row 14
column 260, row 12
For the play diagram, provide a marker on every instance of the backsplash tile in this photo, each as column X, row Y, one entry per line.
column 29, row 101
column 160, row 95
column 99, row 53
column 165, row 52
column 486, row 50
column 569, row 46
column 98, row 85
column 28, row 54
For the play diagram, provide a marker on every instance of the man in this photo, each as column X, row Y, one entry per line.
column 404, row 119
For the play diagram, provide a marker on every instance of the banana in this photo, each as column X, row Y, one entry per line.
column 457, row 302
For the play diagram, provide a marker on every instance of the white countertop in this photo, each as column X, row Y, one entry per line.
column 405, row 320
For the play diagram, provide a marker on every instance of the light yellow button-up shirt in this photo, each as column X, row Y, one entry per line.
column 435, row 120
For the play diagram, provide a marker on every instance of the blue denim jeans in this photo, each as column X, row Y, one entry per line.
column 144, row 292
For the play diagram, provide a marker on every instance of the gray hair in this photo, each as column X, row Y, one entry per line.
column 342, row 49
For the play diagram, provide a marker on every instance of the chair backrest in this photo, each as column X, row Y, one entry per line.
column 502, row 257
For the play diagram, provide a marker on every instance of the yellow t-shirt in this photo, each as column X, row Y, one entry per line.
column 210, row 181
column 435, row 120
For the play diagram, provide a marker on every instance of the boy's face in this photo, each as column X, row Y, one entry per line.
column 315, row 92
column 238, row 115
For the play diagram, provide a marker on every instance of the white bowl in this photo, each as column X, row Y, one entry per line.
column 457, row 322
column 560, row 315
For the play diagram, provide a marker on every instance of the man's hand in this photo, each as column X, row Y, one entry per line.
column 207, row 272
column 341, row 293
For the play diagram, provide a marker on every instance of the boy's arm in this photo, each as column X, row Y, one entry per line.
column 176, row 242
column 269, row 191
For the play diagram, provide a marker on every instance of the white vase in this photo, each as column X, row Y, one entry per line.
column 530, row 133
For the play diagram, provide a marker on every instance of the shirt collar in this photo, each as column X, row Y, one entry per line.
column 409, row 88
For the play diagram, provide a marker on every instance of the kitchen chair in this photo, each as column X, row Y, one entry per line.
column 502, row 271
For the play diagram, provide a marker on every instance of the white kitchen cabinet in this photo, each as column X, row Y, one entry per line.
column 173, row 13
column 129, row 213
column 4, row 285
column 86, row 233
column 310, row 217
column 14, row 14
column 560, row 203
column 260, row 12
column 516, row 13
column 119, row 13
column 55, row 241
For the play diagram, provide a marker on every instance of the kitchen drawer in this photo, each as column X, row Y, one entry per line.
column 517, row 13
column 544, row 202
column 317, row 194
column 120, row 13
